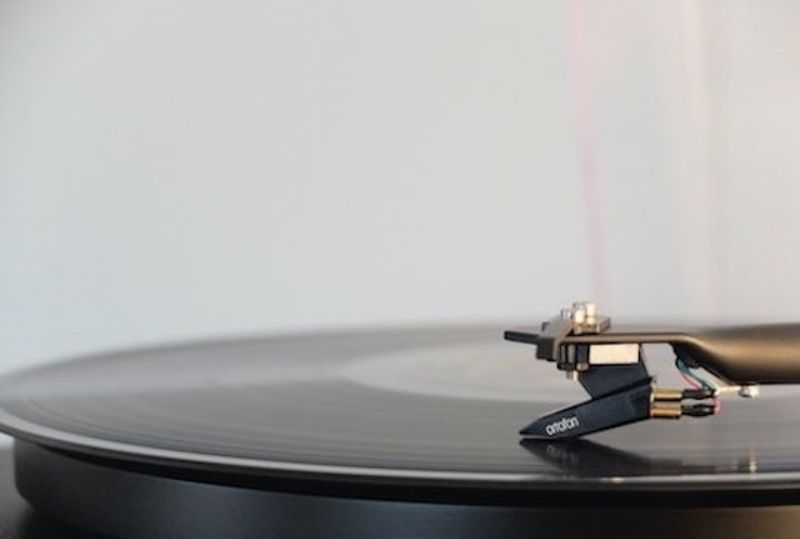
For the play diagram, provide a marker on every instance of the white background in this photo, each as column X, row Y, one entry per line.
column 173, row 170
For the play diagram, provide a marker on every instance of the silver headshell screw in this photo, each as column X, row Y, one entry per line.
column 749, row 391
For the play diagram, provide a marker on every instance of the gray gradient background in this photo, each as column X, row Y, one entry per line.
column 173, row 170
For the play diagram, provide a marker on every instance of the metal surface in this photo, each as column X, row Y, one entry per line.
column 437, row 409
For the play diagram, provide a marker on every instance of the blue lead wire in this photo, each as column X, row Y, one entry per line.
column 684, row 368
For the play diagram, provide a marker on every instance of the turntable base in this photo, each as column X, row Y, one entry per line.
column 146, row 504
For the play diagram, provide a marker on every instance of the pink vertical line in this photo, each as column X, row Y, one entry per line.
column 585, row 122
column 705, row 128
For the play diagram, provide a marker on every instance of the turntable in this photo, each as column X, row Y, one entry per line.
column 399, row 433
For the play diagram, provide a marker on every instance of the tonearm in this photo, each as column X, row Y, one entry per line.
column 609, row 363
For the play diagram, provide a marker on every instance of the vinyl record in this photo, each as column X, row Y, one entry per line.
column 404, row 414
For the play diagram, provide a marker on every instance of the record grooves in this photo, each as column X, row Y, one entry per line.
column 390, row 431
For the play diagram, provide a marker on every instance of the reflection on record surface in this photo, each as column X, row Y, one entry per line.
column 443, row 405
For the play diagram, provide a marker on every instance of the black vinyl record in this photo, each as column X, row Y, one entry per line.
column 405, row 414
